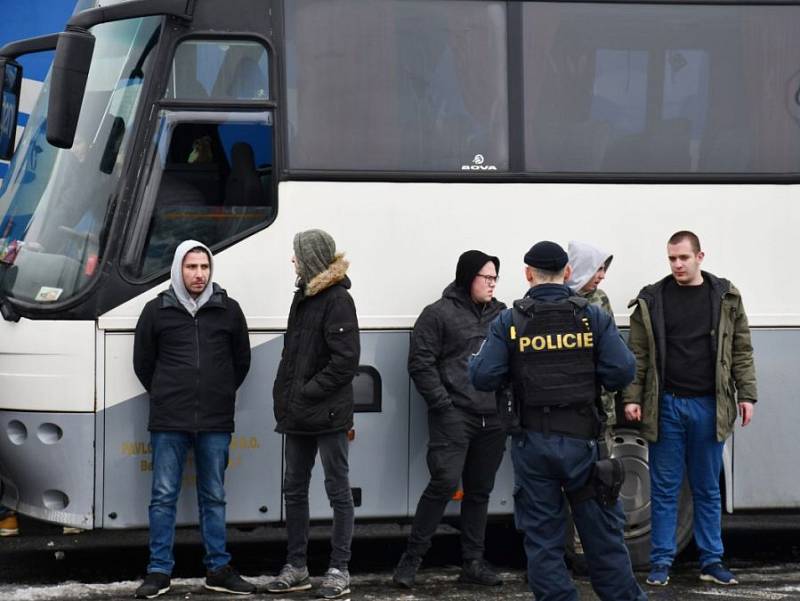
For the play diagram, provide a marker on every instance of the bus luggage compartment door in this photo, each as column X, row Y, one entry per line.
column 379, row 446
column 764, row 453
column 253, row 477
column 500, row 501
column 47, row 424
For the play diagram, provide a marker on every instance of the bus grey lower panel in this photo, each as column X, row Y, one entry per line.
column 253, row 477
column 501, row 500
column 765, row 452
column 379, row 449
column 47, row 465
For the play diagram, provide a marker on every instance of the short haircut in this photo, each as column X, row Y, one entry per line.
column 546, row 275
column 682, row 235
column 199, row 249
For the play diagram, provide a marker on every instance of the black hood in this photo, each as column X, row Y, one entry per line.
column 469, row 264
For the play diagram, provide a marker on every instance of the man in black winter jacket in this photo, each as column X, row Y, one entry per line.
column 191, row 352
column 466, row 438
column 313, row 395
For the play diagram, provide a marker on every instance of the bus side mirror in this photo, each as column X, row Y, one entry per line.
column 11, row 84
column 68, row 85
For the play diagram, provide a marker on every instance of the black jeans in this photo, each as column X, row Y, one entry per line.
column 301, row 452
column 465, row 447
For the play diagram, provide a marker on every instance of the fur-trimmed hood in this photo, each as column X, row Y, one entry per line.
column 335, row 273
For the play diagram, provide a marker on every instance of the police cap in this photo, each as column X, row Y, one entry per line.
column 547, row 256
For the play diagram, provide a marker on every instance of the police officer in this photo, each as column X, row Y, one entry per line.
column 556, row 350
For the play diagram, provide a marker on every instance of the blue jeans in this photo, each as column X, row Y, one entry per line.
column 687, row 440
column 5, row 512
column 169, row 458
column 545, row 467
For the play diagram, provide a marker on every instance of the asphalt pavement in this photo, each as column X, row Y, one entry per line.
column 43, row 564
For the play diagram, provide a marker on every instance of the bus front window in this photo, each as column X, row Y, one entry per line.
column 55, row 203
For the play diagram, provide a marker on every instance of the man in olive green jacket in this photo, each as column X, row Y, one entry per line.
column 694, row 374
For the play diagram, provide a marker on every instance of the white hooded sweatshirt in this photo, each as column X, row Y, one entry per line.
column 585, row 260
column 179, row 288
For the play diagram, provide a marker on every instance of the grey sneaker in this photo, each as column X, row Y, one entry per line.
column 290, row 579
column 335, row 584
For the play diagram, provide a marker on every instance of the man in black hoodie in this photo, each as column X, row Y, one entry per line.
column 313, row 396
column 466, row 438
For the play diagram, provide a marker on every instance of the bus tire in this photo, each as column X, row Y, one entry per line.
column 628, row 445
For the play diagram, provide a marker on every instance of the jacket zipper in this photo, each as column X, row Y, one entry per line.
column 197, row 376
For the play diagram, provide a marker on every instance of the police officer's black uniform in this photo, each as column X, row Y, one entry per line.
column 556, row 351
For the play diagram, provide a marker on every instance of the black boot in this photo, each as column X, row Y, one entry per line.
column 406, row 571
column 478, row 571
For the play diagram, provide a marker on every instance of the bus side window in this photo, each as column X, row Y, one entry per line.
column 211, row 180
column 219, row 70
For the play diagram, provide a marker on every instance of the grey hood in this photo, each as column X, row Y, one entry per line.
column 192, row 305
column 585, row 260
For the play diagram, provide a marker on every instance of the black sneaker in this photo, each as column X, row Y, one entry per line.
column 405, row 573
column 478, row 571
column 227, row 580
column 155, row 584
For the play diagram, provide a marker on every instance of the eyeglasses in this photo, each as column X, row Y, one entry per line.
column 490, row 279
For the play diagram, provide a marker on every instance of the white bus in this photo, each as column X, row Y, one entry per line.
column 411, row 130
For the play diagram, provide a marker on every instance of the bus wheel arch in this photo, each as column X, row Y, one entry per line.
column 628, row 445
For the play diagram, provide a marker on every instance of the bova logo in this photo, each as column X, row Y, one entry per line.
column 478, row 165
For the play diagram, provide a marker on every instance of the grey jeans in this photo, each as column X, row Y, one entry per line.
column 301, row 451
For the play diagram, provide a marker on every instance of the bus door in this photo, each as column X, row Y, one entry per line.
column 209, row 177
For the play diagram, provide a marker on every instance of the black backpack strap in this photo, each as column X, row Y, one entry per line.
column 522, row 307
column 525, row 305
column 579, row 301
column 581, row 314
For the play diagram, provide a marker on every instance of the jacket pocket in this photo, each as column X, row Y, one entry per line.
column 279, row 409
column 731, row 403
column 311, row 415
column 455, row 376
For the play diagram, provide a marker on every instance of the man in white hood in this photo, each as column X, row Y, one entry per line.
column 589, row 267
column 191, row 353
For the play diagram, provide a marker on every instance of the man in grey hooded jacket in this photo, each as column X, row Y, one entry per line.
column 589, row 267
column 191, row 353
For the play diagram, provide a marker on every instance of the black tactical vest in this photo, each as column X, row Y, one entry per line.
column 552, row 358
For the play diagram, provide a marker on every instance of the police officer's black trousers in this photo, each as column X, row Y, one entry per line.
column 467, row 447
column 545, row 466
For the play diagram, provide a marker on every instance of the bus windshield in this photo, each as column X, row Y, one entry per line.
column 54, row 203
